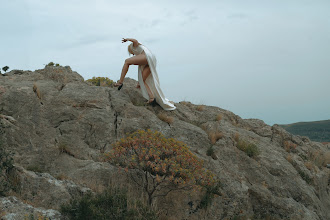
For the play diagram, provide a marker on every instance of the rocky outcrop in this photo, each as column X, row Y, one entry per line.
column 58, row 126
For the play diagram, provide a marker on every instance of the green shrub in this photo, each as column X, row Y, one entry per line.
column 111, row 204
column 250, row 149
column 6, row 166
column 50, row 64
column 211, row 191
column 210, row 151
column 100, row 81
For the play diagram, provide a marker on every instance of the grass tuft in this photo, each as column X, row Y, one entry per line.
column 289, row 146
column 36, row 90
column 250, row 149
column 218, row 117
column 168, row 119
column 200, row 108
column 214, row 136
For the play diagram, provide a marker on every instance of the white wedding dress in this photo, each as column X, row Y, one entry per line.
column 152, row 80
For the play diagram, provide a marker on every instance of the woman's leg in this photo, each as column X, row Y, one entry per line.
column 145, row 73
column 136, row 60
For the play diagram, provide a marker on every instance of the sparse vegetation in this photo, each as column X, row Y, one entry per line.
column 305, row 177
column 36, row 90
column 33, row 217
column 164, row 117
column 218, row 117
column 100, row 81
column 200, row 108
column 6, row 168
column 211, row 152
column 214, row 136
column 319, row 158
column 159, row 165
column 290, row 159
column 211, row 191
column 289, row 146
column 236, row 137
column 62, row 177
column 110, row 204
column 309, row 165
column 50, row 64
column 185, row 103
column 250, row 149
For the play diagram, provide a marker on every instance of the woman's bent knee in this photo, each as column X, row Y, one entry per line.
column 127, row 62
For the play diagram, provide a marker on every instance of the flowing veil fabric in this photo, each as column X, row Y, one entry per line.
column 153, row 82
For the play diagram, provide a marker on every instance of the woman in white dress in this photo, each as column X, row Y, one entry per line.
column 148, row 77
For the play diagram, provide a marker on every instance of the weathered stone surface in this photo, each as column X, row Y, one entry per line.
column 14, row 209
column 59, row 127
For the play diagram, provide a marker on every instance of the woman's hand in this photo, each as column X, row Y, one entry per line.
column 123, row 40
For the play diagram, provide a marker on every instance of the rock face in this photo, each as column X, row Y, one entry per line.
column 58, row 126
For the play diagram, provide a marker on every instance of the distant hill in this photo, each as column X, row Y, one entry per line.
column 315, row 130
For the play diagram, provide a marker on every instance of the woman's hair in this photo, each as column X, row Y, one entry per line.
column 129, row 48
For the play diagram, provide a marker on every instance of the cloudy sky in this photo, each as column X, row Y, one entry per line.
column 259, row 59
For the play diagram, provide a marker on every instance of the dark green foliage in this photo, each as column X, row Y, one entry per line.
column 250, row 149
column 111, row 204
column 210, row 151
column 50, row 64
column 100, row 81
column 5, row 68
column 316, row 130
column 57, row 64
column 6, row 166
column 211, row 191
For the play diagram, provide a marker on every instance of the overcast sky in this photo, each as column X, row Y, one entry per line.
column 259, row 59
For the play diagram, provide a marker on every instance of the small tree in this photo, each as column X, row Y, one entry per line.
column 161, row 164
column 50, row 64
column 5, row 68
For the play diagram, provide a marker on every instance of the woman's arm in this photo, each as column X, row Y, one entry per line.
column 135, row 42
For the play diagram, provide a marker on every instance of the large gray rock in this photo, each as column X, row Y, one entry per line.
column 59, row 127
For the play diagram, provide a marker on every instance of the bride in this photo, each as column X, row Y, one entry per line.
column 147, row 75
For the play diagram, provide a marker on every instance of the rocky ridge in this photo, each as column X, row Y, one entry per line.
column 59, row 126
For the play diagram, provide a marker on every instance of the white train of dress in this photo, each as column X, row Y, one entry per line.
column 152, row 80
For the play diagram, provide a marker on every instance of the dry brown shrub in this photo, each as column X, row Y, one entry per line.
column 62, row 177
column 204, row 127
column 219, row 117
column 309, row 165
column 319, row 158
column 200, row 108
column 236, row 137
column 185, row 103
column 168, row 119
column 214, row 136
column 36, row 90
column 289, row 158
column 289, row 146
